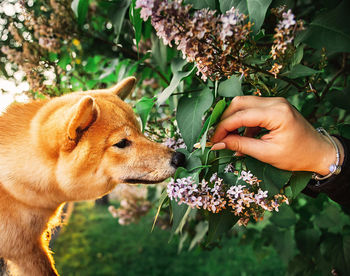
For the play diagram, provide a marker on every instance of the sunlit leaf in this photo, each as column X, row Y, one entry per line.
column 80, row 9
column 178, row 75
column 143, row 108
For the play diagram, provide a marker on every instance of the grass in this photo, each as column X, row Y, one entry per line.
column 93, row 243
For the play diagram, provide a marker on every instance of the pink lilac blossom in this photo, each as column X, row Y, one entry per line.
column 229, row 168
column 288, row 20
column 185, row 190
column 146, row 8
column 246, row 201
column 285, row 31
column 214, row 42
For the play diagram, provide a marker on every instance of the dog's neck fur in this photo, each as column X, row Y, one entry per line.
column 21, row 195
column 14, row 177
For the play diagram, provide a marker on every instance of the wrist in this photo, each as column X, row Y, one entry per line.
column 329, row 156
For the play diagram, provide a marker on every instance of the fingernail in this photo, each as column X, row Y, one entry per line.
column 218, row 146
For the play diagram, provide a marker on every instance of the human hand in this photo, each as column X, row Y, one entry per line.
column 291, row 144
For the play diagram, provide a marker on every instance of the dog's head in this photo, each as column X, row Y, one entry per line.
column 95, row 142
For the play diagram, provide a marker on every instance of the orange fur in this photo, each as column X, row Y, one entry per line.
column 61, row 150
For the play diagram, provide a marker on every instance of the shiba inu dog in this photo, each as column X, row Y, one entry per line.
column 74, row 147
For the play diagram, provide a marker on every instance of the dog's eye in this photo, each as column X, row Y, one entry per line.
column 122, row 143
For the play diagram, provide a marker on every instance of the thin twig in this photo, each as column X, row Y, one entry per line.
column 186, row 92
column 286, row 79
column 336, row 76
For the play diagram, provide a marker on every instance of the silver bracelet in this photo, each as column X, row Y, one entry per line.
column 334, row 169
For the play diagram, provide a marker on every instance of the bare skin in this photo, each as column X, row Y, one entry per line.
column 292, row 143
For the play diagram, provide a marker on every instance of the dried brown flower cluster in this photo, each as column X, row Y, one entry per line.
column 40, row 36
column 214, row 42
column 133, row 204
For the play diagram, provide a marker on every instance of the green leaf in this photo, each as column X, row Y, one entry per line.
column 203, row 4
column 180, row 213
column 161, row 201
column 335, row 248
column 299, row 181
column 189, row 115
column 298, row 56
column 136, row 21
column 299, row 71
column 344, row 130
column 194, row 160
column 80, row 9
column 201, row 229
column 241, row 5
column 230, row 87
column 220, row 223
column 340, row 99
column 284, row 218
column 331, row 218
column 178, row 76
column 255, row 166
column 64, row 60
column 93, row 64
column 214, row 117
column 117, row 14
column 274, row 179
column 330, row 30
column 307, row 240
column 282, row 240
column 143, row 108
column 257, row 11
column 159, row 53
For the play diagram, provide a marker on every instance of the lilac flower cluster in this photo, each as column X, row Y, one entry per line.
column 214, row 42
column 285, row 30
column 129, row 211
column 246, row 201
column 133, row 203
column 252, row 201
column 185, row 190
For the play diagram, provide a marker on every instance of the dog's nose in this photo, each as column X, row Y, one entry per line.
column 178, row 159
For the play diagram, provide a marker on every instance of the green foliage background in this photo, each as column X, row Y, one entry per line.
column 93, row 243
column 111, row 42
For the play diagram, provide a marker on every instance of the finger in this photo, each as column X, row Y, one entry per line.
column 244, row 102
column 249, row 132
column 256, row 148
column 254, row 117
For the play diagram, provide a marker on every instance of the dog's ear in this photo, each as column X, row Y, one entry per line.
column 123, row 88
column 84, row 113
